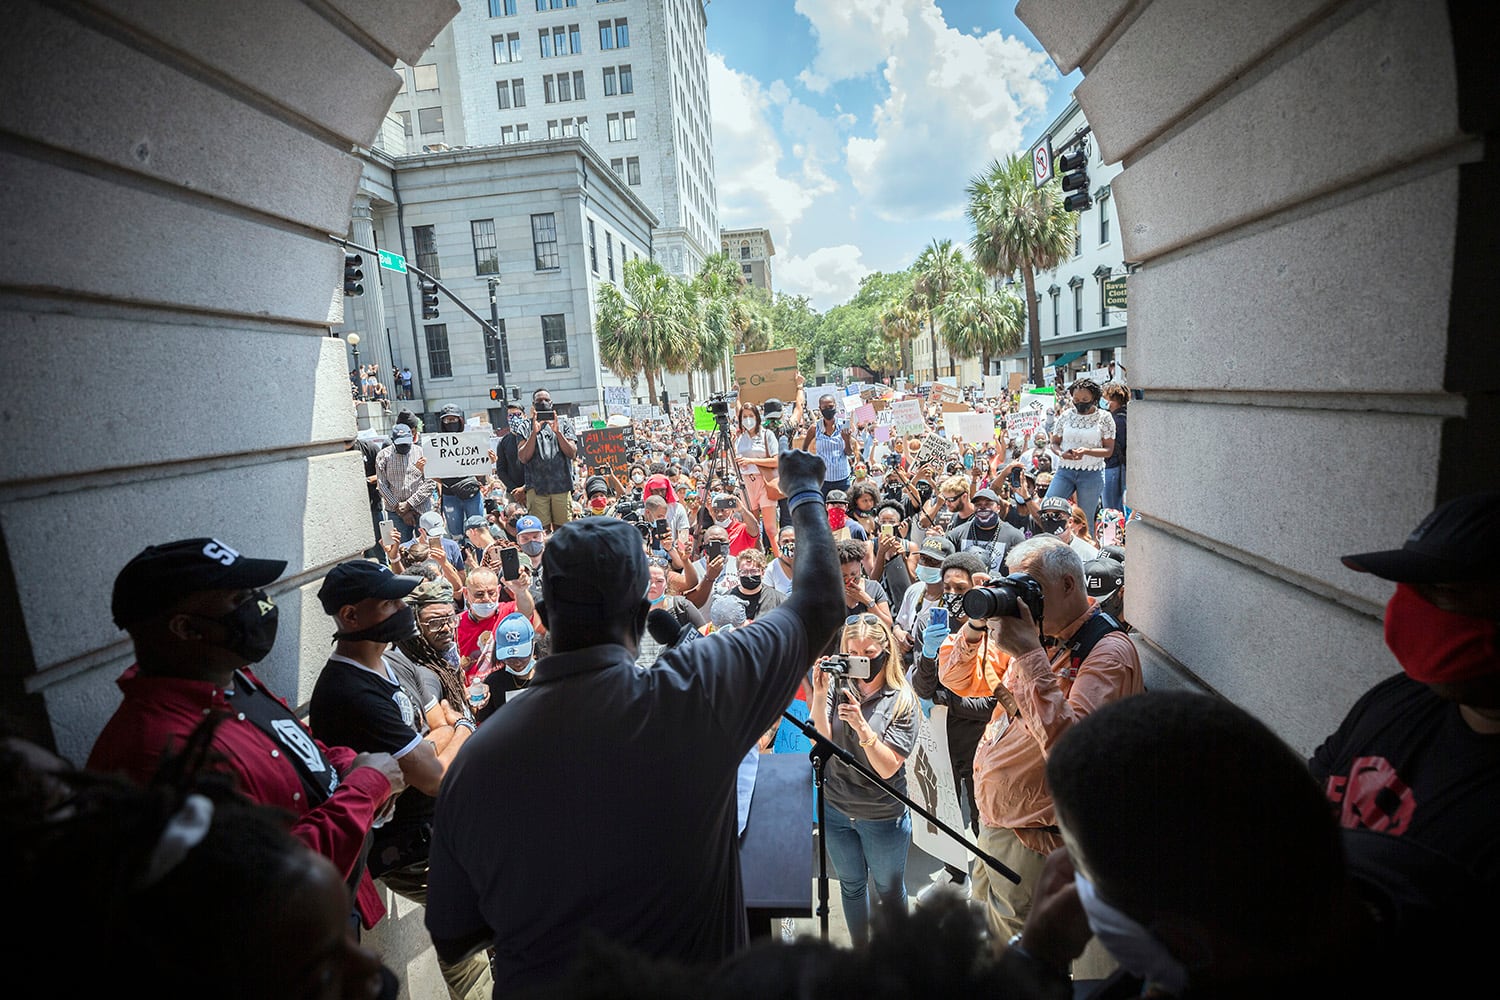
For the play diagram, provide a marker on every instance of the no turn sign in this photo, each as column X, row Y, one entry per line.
column 1041, row 162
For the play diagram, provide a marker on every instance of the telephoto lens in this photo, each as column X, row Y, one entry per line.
column 1003, row 598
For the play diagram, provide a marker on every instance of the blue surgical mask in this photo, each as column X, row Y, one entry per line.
column 929, row 574
column 1136, row 949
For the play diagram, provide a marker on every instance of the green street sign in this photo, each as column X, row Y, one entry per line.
column 1114, row 293
column 393, row 262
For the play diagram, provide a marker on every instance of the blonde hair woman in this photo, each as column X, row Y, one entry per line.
column 868, row 832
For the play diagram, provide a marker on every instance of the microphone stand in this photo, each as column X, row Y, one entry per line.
column 822, row 751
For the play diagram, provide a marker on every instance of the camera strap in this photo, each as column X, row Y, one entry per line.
column 1083, row 641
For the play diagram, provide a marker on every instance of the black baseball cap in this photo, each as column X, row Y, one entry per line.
column 597, row 562
column 1102, row 577
column 161, row 575
column 354, row 581
column 1454, row 543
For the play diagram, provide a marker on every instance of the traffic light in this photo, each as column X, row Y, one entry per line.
column 354, row 275
column 1074, row 167
column 429, row 298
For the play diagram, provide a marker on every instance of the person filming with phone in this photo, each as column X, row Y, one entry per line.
column 862, row 702
column 547, row 455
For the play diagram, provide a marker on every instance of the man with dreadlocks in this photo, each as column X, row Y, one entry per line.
column 428, row 660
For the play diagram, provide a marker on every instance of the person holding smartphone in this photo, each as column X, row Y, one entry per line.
column 547, row 455
column 868, row 832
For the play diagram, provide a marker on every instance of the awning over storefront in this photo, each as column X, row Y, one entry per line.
column 1066, row 359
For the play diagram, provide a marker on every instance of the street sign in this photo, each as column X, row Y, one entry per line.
column 1041, row 162
column 393, row 262
column 1114, row 293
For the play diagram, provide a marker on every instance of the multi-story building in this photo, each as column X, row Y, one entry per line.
column 752, row 250
column 629, row 76
column 1078, row 330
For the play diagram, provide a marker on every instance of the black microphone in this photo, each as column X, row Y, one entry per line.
column 665, row 629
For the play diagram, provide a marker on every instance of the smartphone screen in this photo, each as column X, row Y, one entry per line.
column 510, row 563
column 717, row 549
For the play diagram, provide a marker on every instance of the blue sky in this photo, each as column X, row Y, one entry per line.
column 849, row 128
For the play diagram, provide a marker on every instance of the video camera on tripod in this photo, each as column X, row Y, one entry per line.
column 718, row 404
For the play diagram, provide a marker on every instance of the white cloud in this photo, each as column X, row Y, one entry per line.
column 827, row 276
column 954, row 101
column 754, row 187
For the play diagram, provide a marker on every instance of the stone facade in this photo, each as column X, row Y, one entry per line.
column 751, row 250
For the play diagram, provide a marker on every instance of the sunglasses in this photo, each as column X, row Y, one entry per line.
column 862, row 619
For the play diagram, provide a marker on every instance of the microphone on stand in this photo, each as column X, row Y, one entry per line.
column 665, row 628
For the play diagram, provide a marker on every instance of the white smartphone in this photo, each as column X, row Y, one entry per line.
column 388, row 533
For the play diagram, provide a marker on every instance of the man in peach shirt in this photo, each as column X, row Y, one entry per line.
column 1041, row 690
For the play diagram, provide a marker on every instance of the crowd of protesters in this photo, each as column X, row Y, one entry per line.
column 472, row 583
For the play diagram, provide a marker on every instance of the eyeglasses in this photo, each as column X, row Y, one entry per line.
column 863, row 619
column 957, row 499
column 439, row 623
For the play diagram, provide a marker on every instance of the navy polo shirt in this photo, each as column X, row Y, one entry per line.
column 603, row 800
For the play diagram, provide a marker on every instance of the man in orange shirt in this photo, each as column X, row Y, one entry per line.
column 1043, row 687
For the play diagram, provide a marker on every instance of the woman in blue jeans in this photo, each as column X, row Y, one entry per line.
column 875, row 719
column 1085, row 437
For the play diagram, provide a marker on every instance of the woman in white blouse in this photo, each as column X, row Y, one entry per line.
column 756, row 449
column 1085, row 437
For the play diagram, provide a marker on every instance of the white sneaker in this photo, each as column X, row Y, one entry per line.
column 942, row 881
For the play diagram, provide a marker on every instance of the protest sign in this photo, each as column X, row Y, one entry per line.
column 616, row 399
column 951, row 381
column 451, row 456
column 993, row 386
column 763, row 374
column 935, row 448
column 702, row 419
column 943, row 393
column 1017, row 379
column 882, row 432
column 907, row 416
column 929, row 781
column 852, row 403
column 865, row 414
column 605, row 447
column 975, row 428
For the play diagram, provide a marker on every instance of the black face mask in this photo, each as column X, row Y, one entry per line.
column 1085, row 407
column 828, row 412
column 1054, row 525
column 251, row 626
column 877, row 663
column 401, row 625
column 749, row 582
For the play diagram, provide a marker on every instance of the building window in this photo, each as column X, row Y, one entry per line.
column 553, row 132
column 544, row 241
column 405, row 117
column 486, row 251
column 1056, row 298
column 622, row 33
column 430, row 120
column 544, row 39
column 618, row 166
column 564, row 87
column 744, row 250
column 560, row 41
column 609, row 81
column 575, row 39
column 609, row 254
column 633, row 170
column 426, row 76
column 523, row 133
column 612, row 123
column 593, row 249
column 502, row 8
column 745, row 270
column 1077, row 286
column 502, row 94
column 424, row 241
column 578, row 86
column 489, row 349
column 518, row 92
column 549, row 90
column 507, row 134
column 555, row 341
column 1103, row 221
column 629, row 120
column 627, row 80
column 439, row 361
column 606, row 35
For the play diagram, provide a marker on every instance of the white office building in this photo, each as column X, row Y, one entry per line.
column 629, row 76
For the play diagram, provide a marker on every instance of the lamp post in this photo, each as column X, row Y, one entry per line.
column 359, row 386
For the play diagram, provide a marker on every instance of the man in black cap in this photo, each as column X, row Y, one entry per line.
column 1413, row 772
column 602, row 799
column 461, row 497
column 986, row 532
column 360, row 700
column 198, row 616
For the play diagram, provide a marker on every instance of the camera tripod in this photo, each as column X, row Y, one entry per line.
column 823, row 750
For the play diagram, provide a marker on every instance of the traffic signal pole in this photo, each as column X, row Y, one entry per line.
column 490, row 329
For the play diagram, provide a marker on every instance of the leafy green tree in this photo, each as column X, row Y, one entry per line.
column 1018, row 227
column 981, row 321
column 648, row 325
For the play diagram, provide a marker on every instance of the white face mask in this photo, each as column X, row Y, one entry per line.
column 748, row 423
column 1136, row 949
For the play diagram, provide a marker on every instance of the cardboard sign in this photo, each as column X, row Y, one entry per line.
column 606, row 447
column 451, row 456
column 974, row 428
column 906, row 416
column 935, row 448
column 955, row 407
column 1017, row 380
column 764, row 374
column 941, row 392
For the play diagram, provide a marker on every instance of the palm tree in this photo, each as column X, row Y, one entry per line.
column 1019, row 227
column 940, row 270
column 900, row 324
column 646, row 327
column 979, row 320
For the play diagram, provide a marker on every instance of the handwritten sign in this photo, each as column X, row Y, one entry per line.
column 606, row 447
column 906, row 416
column 453, row 456
column 865, row 414
column 944, row 393
column 761, row 375
column 616, row 399
column 975, row 428
column 935, row 448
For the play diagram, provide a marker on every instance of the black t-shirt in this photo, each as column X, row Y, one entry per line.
column 992, row 544
column 371, row 713
column 877, row 594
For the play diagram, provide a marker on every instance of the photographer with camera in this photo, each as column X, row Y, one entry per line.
column 862, row 702
column 1038, row 643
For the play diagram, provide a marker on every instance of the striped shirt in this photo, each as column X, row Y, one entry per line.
column 832, row 451
column 397, row 479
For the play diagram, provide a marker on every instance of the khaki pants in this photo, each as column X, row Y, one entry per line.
column 554, row 509
column 467, row 980
column 1006, row 903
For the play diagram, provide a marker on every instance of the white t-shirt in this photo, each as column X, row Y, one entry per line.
column 778, row 577
column 1085, row 551
column 1085, row 431
column 913, row 604
column 762, row 445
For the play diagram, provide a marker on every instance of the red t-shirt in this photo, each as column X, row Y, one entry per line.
column 466, row 632
column 740, row 537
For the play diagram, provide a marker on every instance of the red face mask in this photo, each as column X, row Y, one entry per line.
column 1436, row 646
column 836, row 517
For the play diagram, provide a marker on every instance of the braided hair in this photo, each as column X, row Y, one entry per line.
column 421, row 652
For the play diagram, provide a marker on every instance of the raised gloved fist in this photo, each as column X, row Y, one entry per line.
column 932, row 638
column 800, row 470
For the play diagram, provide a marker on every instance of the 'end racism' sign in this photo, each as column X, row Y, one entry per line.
column 457, row 455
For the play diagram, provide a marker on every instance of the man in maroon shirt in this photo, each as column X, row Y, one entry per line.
column 197, row 616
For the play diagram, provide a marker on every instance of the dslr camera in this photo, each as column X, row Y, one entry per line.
column 1003, row 598
column 844, row 665
column 629, row 510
